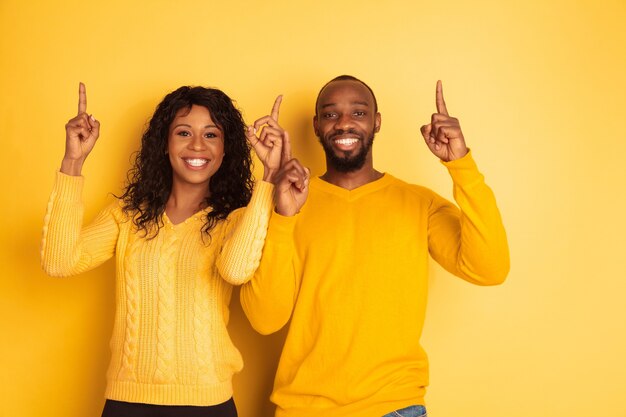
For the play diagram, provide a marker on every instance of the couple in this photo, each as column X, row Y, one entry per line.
column 349, row 267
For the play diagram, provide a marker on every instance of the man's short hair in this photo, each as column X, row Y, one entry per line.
column 349, row 78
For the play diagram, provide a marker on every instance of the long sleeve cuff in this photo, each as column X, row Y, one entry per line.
column 263, row 194
column 68, row 187
column 464, row 171
column 280, row 229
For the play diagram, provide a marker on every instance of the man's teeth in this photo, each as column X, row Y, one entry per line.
column 347, row 141
column 196, row 162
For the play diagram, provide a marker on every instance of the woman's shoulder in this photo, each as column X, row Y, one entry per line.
column 116, row 209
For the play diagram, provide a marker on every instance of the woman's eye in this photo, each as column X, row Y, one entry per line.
column 210, row 135
column 183, row 133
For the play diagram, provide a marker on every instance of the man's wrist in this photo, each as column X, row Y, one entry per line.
column 269, row 175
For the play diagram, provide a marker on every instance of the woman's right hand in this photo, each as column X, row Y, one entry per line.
column 81, row 134
column 268, row 146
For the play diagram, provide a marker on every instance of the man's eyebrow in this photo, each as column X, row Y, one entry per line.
column 362, row 103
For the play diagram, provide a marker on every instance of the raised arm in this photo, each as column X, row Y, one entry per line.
column 470, row 243
column 246, row 233
column 268, row 298
column 68, row 248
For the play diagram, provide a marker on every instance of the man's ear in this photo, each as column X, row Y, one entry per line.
column 377, row 123
column 315, row 127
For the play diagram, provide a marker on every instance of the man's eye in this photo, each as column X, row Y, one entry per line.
column 329, row 115
column 359, row 113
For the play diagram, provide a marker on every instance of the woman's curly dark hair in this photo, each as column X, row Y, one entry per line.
column 150, row 178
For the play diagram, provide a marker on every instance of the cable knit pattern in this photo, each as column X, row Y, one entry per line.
column 243, row 248
column 170, row 344
column 46, row 221
column 127, row 371
column 201, row 339
column 166, row 308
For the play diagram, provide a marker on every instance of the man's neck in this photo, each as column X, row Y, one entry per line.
column 353, row 179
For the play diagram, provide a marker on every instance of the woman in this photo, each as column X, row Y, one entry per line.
column 181, row 237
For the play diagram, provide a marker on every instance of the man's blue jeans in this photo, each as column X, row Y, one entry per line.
column 412, row 411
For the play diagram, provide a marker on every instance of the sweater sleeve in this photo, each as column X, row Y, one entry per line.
column 470, row 243
column 245, row 233
column 68, row 247
column 269, row 297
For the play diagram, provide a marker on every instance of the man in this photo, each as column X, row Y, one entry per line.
column 353, row 264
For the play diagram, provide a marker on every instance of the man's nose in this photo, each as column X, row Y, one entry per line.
column 344, row 122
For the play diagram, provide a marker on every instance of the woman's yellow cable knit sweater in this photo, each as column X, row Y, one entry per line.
column 170, row 344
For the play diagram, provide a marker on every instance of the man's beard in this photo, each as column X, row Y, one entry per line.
column 347, row 163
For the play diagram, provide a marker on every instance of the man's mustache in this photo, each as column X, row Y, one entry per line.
column 343, row 132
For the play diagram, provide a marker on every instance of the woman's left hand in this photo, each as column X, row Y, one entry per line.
column 269, row 144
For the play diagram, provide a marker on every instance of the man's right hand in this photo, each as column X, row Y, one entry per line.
column 291, row 187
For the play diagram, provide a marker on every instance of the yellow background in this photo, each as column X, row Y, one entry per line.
column 539, row 87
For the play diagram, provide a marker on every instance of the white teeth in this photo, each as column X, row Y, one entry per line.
column 347, row 141
column 196, row 162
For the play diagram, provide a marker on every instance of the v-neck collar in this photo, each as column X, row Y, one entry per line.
column 354, row 194
column 197, row 216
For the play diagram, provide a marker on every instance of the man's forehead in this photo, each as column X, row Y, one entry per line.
column 346, row 90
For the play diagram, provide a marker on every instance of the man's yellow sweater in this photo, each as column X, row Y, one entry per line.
column 353, row 267
column 170, row 344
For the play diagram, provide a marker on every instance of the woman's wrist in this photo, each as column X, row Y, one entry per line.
column 72, row 167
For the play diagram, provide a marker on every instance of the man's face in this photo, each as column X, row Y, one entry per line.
column 345, row 124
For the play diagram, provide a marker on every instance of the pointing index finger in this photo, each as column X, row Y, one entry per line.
column 82, row 99
column 286, row 156
column 441, row 103
column 276, row 107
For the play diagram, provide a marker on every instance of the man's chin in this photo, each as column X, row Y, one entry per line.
column 343, row 164
column 347, row 161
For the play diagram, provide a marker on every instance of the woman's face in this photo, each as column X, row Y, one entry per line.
column 196, row 147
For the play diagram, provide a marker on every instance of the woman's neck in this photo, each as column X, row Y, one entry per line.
column 184, row 201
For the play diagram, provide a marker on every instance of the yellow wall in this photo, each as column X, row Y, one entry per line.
column 540, row 91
